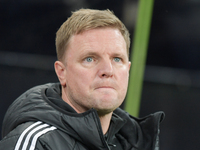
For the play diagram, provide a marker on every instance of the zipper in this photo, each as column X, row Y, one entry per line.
column 98, row 124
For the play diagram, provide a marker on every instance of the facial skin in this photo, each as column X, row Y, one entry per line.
column 95, row 71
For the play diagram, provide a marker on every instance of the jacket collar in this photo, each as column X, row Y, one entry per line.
column 84, row 127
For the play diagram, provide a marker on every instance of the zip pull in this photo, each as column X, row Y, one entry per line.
column 113, row 145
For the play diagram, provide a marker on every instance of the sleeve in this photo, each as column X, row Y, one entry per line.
column 26, row 136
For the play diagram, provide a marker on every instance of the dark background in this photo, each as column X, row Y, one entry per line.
column 172, row 75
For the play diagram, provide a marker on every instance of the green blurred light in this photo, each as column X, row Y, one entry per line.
column 138, row 56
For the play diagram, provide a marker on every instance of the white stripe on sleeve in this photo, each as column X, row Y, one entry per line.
column 31, row 133
column 33, row 143
column 23, row 134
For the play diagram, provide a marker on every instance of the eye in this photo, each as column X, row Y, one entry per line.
column 117, row 59
column 89, row 59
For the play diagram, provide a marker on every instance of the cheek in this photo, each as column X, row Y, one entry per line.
column 79, row 77
column 123, row 79
column 124, row 74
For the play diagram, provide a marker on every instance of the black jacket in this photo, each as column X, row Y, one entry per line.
column 39, row 119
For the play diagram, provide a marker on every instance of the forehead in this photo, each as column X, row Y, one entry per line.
column 98, row 32
column 102, row 37
column 99, row 41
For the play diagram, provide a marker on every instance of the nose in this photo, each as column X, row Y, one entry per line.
column 105, row 68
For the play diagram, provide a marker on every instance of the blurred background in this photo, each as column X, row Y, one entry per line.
column 172, row 74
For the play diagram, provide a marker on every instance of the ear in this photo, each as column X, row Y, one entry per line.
column 61, row 72
column 129, row 65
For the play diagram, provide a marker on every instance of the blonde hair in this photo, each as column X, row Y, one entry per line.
column 86, row 19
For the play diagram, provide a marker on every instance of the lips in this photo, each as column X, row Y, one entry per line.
column 105, row 87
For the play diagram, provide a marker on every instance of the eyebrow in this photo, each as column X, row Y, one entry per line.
column 91, row 53
column 88, row 54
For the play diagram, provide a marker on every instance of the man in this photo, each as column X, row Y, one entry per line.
column 81, row 111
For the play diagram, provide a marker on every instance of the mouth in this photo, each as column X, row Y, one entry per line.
column 104, row 87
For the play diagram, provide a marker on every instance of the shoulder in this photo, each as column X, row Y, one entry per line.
column 37, row 135
column 25, row 136
column 22, row 106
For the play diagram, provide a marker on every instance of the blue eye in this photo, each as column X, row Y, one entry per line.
column 89, row 59
column 117, row 59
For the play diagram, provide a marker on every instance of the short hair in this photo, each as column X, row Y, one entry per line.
column 86, row 19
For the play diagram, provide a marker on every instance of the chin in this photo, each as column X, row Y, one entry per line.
column 105, row 111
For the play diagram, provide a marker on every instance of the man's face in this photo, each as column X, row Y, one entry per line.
column 96, row 70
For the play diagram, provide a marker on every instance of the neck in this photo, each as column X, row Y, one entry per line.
column 104, row 119
column 105, row 122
